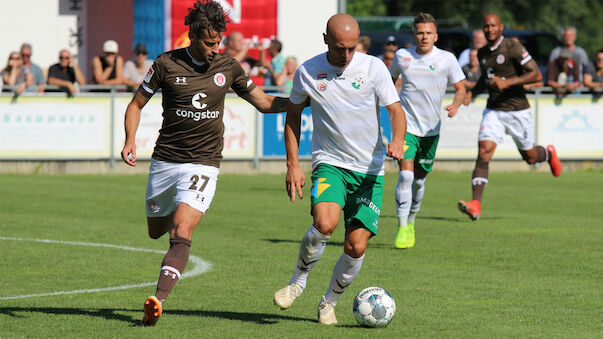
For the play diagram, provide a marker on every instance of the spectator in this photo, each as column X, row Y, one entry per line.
column 578, row 54
column 593, row 75
column 285, row 78
column 472, row 70
column 364, row 43
column 36, row 71
column 563, row 74
column 15, row 74
column 389, row 45
column 274, row 67
column 108, row 69
column 135, row 71
column 478, row 40
column 234, row 45
column 388, row 57
column 66, row 73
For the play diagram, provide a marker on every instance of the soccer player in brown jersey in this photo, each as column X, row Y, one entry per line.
column 186, row 160
column 506, row 67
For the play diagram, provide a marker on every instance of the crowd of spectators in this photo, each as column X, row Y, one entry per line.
column 569, row 68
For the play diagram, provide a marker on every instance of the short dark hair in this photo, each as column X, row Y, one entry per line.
column 277, row 45
column 423, row 18
column 206, row 15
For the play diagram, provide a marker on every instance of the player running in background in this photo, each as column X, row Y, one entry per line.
column 344, row 89
column 506, row 66
column 426, row 70
column 185, row 164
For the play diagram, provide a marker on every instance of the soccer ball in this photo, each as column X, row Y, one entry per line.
column 374, row 307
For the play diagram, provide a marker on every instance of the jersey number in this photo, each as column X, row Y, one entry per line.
column 195, row 180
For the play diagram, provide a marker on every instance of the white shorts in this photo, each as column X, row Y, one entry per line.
column 172, row 183
column 517, row 124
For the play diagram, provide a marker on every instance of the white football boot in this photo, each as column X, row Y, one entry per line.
column 326, row 312
column 285, row 297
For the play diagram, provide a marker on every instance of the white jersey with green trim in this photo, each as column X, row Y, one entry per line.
column 424, row 81
column 345, row 110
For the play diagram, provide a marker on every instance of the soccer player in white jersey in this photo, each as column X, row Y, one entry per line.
column 426, row 70
column 344, row 89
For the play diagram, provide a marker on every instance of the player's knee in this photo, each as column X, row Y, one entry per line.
column 183, row 230
column 325, row 225
column 354, row 249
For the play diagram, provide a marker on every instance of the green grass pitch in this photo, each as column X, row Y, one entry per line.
column 531, row 267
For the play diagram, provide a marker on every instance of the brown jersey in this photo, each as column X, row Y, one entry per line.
column 504, row 60
column 193, row 104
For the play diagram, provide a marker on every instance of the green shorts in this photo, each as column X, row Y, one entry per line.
column 359, row 195
column 421, row 149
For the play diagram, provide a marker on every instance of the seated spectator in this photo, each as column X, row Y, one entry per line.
column 578, row 53
column 364, row 43
column 108, row 69
column 135, row 71
column 472, row 70
column 285, row 78
column 562, row 74
column 36, row 71
column 14, row 74
column 593, row 75
column 478, row 40
column 274, row 67
column 66, row 73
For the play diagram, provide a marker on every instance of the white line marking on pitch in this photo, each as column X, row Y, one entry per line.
column 201, row 266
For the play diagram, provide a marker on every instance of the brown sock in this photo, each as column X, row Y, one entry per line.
column 541, row 154
column 479, row 179
column 173, row 265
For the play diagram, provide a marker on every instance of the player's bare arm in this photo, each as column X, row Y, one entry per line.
column 131, row 121
column 295, row 178
column 266, row 103
column 459, row 98
column 479, row 87
column 531, row 74
column 397, row 119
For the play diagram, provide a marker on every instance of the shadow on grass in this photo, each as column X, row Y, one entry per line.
column 111, row 314
column 329, row 243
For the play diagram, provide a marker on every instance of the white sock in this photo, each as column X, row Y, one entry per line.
column 404, row 196
column 344, row 272
column 310, row 250
column 418, row 192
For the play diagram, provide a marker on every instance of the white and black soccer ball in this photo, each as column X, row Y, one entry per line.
column 374, row 307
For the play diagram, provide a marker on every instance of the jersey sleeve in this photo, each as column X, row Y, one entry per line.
column 395, row 69
column 384, row 86
column 520, row 53
column 153, row 80
column 298, row 92
column 241, row 84
column 455, row 72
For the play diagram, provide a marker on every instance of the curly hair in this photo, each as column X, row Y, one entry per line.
column 206, row 15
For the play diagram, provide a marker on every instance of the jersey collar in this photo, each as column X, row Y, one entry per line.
column 497, row 44
column 195, row 61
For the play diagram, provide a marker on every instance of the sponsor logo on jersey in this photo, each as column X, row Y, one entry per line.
column 500, row 59
column 196, row 98
column 149, row 75
column 322, row 85
column 198, row 115
column 180, row 81
column 322, row 76
column 357, row 83
column 220, row 79
column 407, row 59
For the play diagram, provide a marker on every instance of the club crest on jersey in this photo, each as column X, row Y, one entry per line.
column 219, row 79
column 433, row 66
column 405, row 66
column 322, row 85
column 500, row 59
column 153, row 206
column 357, row 83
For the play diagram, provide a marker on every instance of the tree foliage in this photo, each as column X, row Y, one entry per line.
column 543, row 15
